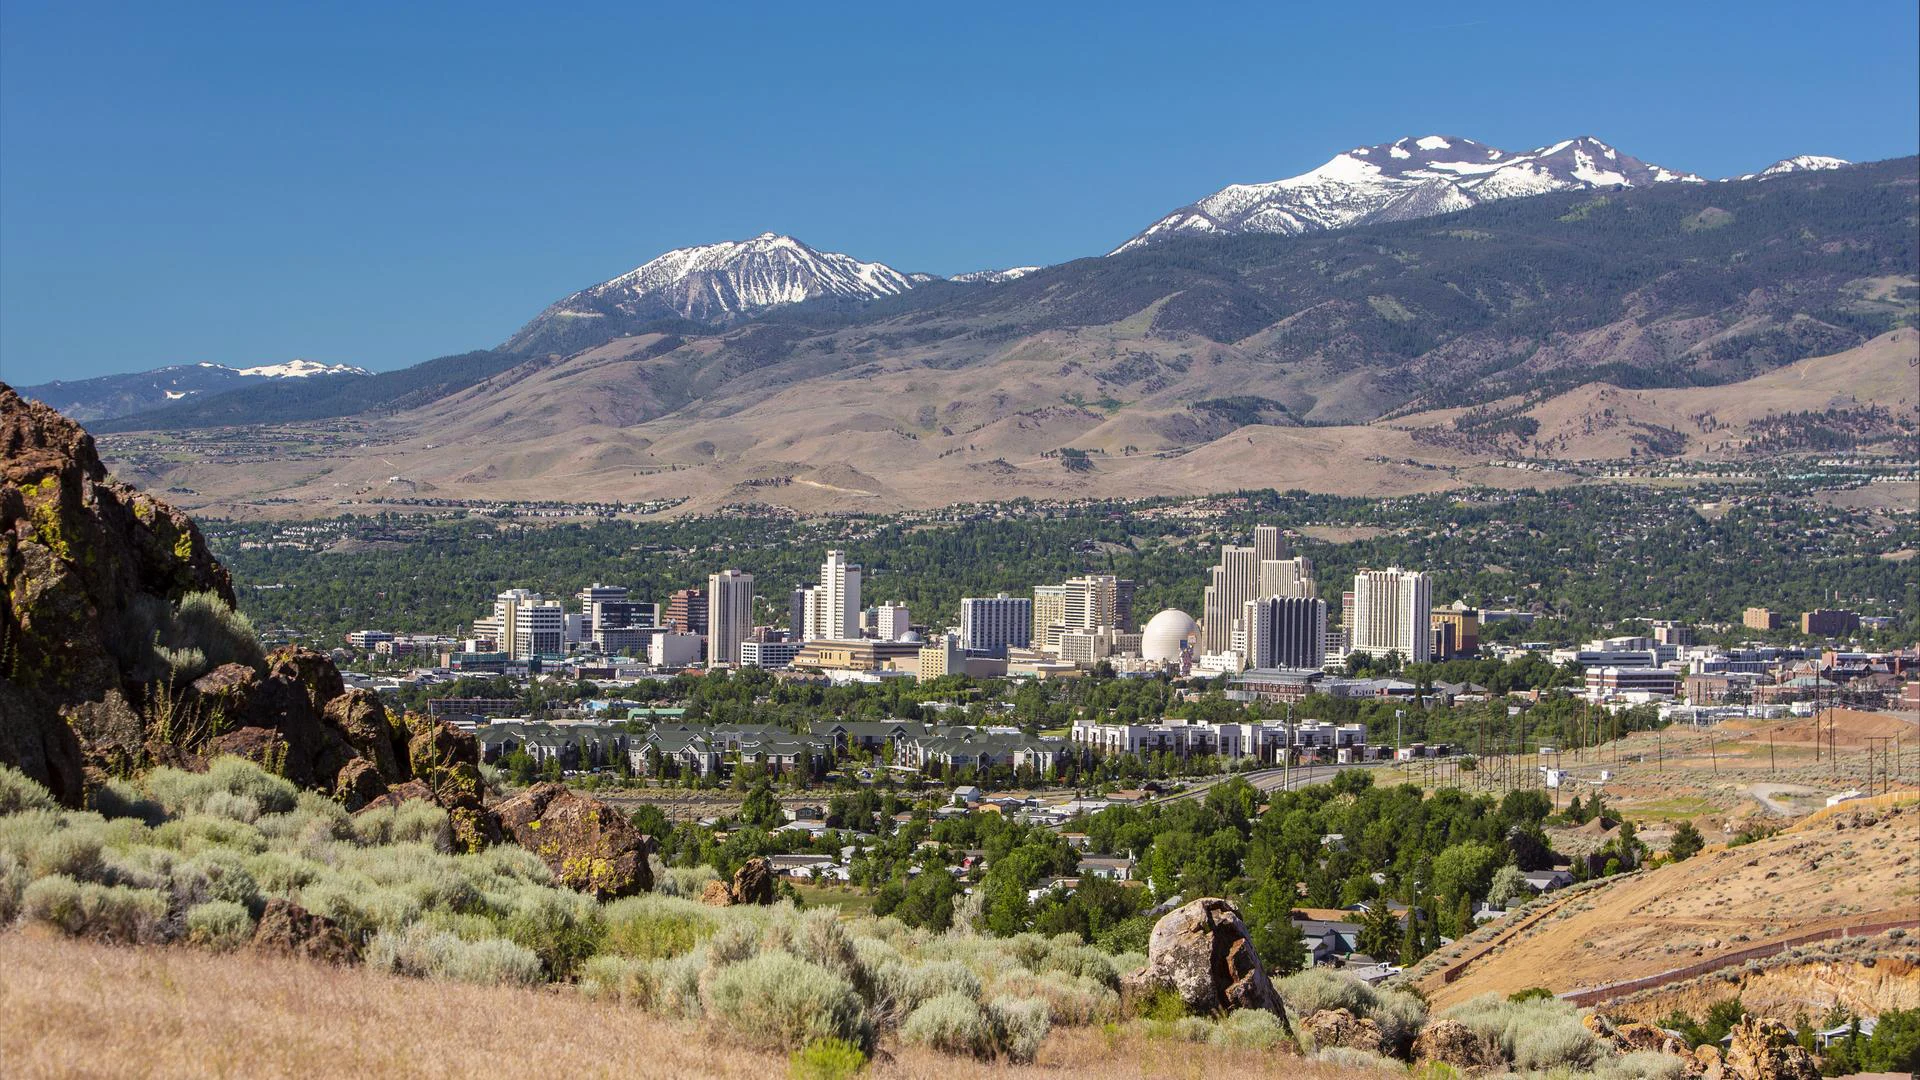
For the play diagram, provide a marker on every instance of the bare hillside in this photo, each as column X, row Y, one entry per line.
column 1850, row 868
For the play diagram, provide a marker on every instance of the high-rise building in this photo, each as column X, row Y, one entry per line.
column 1049, row 615
column 524, row 625
column 729, row 615
column 797, row 612
column 1287, row 577
column 1393, row 613
column 687, row 611
column 1759, row 618
column 889, row 622
column 1269, row 543
column 1231, row 584
column 1285, row 632
column 1123, row 604
column 1090, row 602
column 991, row 625
column 833, row 606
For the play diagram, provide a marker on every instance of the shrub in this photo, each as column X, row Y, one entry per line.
column 415, row 821
column 563, row 928
column 19, row 792
column 780, row 1001
column 213, row 633
column 108, row 912
column 1249, row 1029
column 219, row 924
column 1314, row 989
column 1538, row 1033
column 13, row 882
column 685, row 881
column 1019, row 1026
column 903, row 986
column 1072, row 1000
column 119, row 799
column 1348, row 1058
column 1641, row 1065
column 438, row 954
column 280, row 873
column 826, row 1059
column 650, row 926
column 70, row 852
column 197, row 832
column 216, row 875
column 620, row 979
column 951, row 1023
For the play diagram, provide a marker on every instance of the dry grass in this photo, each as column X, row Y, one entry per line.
column 76, row 1009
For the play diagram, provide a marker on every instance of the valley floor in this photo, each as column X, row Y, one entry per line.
column 72, row 1008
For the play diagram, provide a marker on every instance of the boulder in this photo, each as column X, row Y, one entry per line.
column 1706, row 1063
column 1458, row 1046
column 1763, row 1048
column 589, row 846
column 1637, row 1036
column 359, row 784
column 436, row 744
column 311, row 671
column 361, row 718
column 1338, row 1027
column 288, row 929
column 753, row 882
column 397, row 794
column 716, row 894
column 1202, row 953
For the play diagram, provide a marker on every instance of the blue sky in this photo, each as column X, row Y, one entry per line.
column 380, row 184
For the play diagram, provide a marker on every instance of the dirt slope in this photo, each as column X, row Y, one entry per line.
column 1848, row 868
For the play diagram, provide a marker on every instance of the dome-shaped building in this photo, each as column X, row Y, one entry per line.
column 1167, row 635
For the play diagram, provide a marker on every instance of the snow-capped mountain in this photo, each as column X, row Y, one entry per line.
column 1798, row 163
column 993, row 277
column 1405, row 179
column 716, row 283
column 111, row 396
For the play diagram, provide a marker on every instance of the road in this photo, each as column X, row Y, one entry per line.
column 1274, row 779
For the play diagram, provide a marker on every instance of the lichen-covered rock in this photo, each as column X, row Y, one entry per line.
column 1458, row 1046
column 1202, row 953
column 1339, row 1027
column 436, row 744
column 397, row 794
column 1763, row 1048
column 358, row 784
column 1707, row 1063
column 288, row 929
column 716, row 894
column 587, row 844
column 361, row 718
column 311, row 671
column 84, row 563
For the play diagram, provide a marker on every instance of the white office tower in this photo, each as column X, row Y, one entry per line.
column 833, row 606
column 1284, row 632
column 891, row 622
column 1392, row 613
column 1231, row 584
column 1269, row 545
column 1287, row 577
column 524, row 625
column 991, row 625
column 729, row 616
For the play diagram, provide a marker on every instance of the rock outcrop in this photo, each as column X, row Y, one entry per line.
column 86, row 564
column 1202, row 953
column 1763, row 1048
column 1458, row 1046
column 118, row 649
column 751, row 884
column 287, row 929
column 587, row 844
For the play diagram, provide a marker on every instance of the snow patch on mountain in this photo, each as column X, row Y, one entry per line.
column 1798, row 163
column 713, row 282
column 1405, row 179
column 993, row 277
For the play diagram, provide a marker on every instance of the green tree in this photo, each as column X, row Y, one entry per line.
column 1687, row 841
